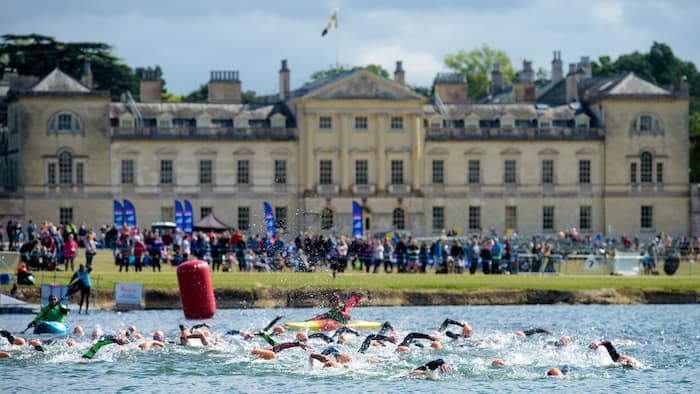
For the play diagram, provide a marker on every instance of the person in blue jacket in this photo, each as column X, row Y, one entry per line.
column 81, row 278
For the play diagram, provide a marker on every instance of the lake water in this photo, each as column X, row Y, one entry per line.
column 665, row 338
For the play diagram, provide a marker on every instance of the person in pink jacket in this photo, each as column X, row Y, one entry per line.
column 70, row 248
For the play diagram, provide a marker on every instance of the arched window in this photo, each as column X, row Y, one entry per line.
column 65, row 122
column 399, row 219
column 645, row 167
column 65, row 168
column 326, row 219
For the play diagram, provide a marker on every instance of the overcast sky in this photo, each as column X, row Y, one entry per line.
column 190, row 38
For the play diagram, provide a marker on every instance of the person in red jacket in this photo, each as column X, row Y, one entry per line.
column 139, row 250
column 70, row 248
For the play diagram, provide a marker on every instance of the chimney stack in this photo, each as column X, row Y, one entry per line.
column 572, row 79
column 151, row 86
column 524, row 90
column 451, row 88
column 86, row 78
column 586, row 67
column 399, row 74
column 224, row 88
column 557, row 67
column 496, row 79
column 284, row 81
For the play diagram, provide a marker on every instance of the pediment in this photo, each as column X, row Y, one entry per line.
column 585, row 151
column 281, row 151
column 128, row 150
column 363, row 86
column 548, row 151
column 511, row 151
column 243, row 151
column 474, row 151
column 438, row 151
column 205, row 151
column 166, row 151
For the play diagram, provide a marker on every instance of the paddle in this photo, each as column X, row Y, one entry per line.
column 74, row 288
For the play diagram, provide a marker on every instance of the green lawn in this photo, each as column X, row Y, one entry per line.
column 106, row 274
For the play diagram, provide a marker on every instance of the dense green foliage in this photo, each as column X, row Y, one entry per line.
column 477, row 65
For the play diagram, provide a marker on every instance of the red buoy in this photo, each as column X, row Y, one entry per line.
column 196, row 291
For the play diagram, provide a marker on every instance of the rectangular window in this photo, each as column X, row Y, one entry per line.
column 545, row 125
column 510, row 174
column 547, row 172
column 325, row 123
column 325, row 172
column 396, row 123
column 397, row 172
column 647, row 216
column 438, row 172
column 79, row 173
column 205, row 173
column 584, row 172
column 64, row 122
column 243, row 173
column 127, row 172
column 280, row 172
column 474, row 218
column 633, row 173
column 584, row 218
column 548, row 218
column 512, row 218
column 51, row 174
column 167, row 214
column 205, row 211
column 281, row 218
column 659, row 172
column 438, row 218
column 361, row 172
column 65, row 216
column 645, row 123
column 222, row 122
column 361, row 123
column 244, row 218
column 166, row 172
column 474, row 172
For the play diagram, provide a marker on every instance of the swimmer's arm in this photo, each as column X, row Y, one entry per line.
column 369, row 339
column 432, row 365
column 196, row 326
column 614, row 355
column 321, row 335
column 320, row 357
column 447, row 322
column 537, row 331
column 287, row 345
column 415, row 335
column 343, row 330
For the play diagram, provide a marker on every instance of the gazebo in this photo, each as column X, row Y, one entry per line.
column 210, row 223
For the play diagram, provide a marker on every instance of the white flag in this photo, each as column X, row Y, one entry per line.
column 332, row 24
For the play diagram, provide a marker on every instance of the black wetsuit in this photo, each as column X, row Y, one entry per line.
column 7, row 335
column 343, row 330
column 369, row 339
column 451, row 334
column 433, row 365
column 535, row 331
column 384, row 328
column 408, row 339
column 285, row 345
column 611, row 350
column 322, row 336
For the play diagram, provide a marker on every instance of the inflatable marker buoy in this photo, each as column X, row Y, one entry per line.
column 196, row 291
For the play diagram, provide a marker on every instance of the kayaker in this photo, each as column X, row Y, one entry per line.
column 340, row 311
column 51, row 312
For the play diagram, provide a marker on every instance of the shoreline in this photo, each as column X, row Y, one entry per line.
column 274, row 297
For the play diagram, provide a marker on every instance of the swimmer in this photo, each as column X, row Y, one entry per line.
column 375, row 337
column 186, row 335
column 622, row 359
column 158, row 341
column 498, row 363
column 533, row 331
column 559, row 372
column 466, row 329
column 324, row 357
column 5, row 355
column 271, row 353
column 104, row 341
column 408, row 340
column 432, row 366
column 563, row 341
column 78, row 330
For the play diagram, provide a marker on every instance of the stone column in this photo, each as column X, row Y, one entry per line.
column 345, row 130
column 416, row 153
column 309, row 158
column 382, row 129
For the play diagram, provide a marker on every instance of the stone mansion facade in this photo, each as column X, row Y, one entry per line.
column 603, row 155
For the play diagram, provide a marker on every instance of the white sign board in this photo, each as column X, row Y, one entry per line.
column 127, row 295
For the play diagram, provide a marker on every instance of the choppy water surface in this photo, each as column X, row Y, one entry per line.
column 665, row 338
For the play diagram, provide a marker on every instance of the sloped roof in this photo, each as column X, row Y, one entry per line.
column 496, row 111
column 210, row 223
column 58, row 81
column 632, row 84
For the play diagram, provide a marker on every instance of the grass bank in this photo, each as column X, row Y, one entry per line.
column 106, row 274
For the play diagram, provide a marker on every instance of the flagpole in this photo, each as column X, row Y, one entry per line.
column 337, row 42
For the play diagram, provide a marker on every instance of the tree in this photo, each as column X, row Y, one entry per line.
column 477, row 65
column 38, row 55
column 334, row 71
